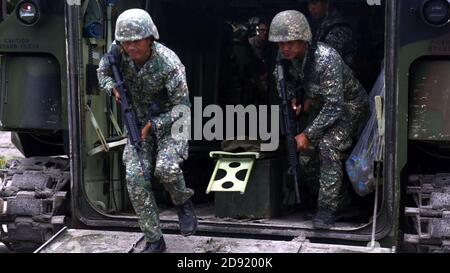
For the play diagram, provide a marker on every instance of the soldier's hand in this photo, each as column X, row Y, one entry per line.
column 116, row 95
column 302, row 142
column 295, row 107
column 146, row 130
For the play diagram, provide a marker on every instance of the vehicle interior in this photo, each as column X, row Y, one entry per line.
column 211, row 39
column 206, row 36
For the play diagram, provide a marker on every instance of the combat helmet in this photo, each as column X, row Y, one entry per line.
column 289, row 25
column 135, row 24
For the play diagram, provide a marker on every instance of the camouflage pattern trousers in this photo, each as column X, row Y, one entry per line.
column 321, row 165
column 163, row 159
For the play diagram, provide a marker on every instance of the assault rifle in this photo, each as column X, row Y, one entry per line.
column 289, row 128
column 128, row 112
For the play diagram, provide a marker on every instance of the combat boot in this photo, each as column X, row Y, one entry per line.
column 155, row 247
column 187, row 219
column 324, row 219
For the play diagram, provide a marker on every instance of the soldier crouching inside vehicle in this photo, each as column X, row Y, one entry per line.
column 337, row 105
column 155, row 76
column 333, row 30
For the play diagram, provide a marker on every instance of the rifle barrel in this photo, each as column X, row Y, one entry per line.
column 129, row 115
column 289, row 130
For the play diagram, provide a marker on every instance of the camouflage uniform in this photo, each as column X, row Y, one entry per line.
column 336, row 32
column 160, row 82
column 339, row 107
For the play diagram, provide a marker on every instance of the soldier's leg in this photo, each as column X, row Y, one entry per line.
column 309, row 180
column 336, row 141
column 170, row 155
column 333, row 192
column 331, row 189
column 141, row 194
column 309, row 170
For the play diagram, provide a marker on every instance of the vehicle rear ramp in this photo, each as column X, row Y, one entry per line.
column 99, row 241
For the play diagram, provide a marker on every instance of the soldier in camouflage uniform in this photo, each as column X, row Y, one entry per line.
column 338, row 105
column 156, row 80
column 333, row 30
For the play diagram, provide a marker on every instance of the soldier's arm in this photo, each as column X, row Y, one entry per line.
column 104, row 75
column 178, row 94
column 339, row 38
column 333, row 95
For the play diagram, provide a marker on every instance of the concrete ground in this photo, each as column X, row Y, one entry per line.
column 7, row 149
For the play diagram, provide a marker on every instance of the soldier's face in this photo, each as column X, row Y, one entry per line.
column 292, row 49
column 139, row 51
column 318, row 9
